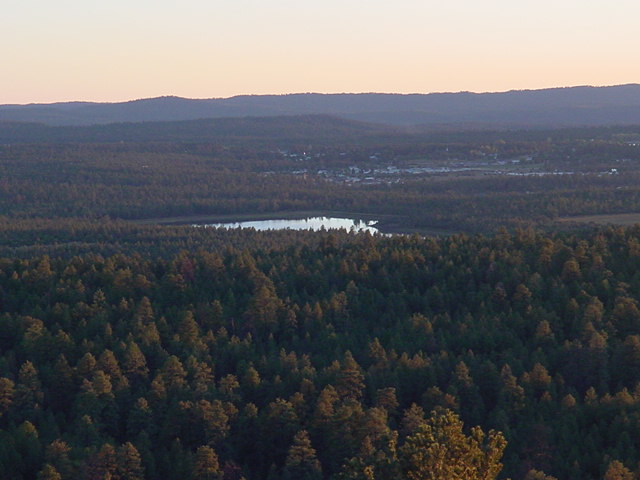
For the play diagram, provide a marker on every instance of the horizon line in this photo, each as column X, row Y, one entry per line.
column 314, row 93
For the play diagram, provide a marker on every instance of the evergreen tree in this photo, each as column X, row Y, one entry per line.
column 207, row 466
column 49, row 472
column 617, row 471
column 129, row 463
column 29, row 448
column 57, row 455
column 28, row 393
column 440, row 450
column 103, row 464
column 350, row 381
column 301, row 462
column 6, row 395
column 135, row 363
column 538, row 475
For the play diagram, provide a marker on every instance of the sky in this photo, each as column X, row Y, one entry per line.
column 118, row 50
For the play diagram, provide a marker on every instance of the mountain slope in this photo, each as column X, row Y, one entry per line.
column 527, row 108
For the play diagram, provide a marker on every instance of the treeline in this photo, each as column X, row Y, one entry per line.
column 69, row 237
column 315, row 129
column 262, row 131
column 323, row 356
column 137, row 181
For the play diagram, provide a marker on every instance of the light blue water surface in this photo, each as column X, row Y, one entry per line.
column 312, row 223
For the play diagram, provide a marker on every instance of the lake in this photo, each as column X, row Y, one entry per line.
column 311, row 223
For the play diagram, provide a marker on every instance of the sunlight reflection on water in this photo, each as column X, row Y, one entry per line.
column 312, row 223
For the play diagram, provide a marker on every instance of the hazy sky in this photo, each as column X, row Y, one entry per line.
column 59, row 50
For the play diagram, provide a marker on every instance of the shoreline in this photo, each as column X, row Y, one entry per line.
column 386, row 223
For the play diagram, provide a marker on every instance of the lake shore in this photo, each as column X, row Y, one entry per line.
column 386, row 224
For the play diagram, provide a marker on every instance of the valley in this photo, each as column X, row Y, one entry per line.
column 143, row 329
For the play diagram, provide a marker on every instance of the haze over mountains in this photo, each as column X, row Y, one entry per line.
column 556, row 107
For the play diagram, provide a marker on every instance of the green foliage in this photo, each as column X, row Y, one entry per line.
column 439, row 450
column 64, row 194
column 206, row 464
column 617, row 471
column 300, row 355
column 49, row 472
column 301, row 462
column 538, row 475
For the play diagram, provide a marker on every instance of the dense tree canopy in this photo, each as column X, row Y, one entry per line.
column 325, row 355
column 131, row 350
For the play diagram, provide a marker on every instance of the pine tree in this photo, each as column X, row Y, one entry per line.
column 440, row 450
column 86, row 366
column 207, row 466
column 28, row 393
column 203, row 378
column 103, row 464
column 414, row 416
column 174, row 374
column 301, row 462
column 538, row 475
column 350, row 381
column 129, row 463
column 262, row 314
column 617, row 471
column 108, row 363
column 213, row 418
column 28, row 446
column 386, row 398
column 6, row 395
column 57, row 454
column 62, row 384
column 140, row 418
column 49, row 472
column 135, row 363
column 144, row 311
column 188, row 330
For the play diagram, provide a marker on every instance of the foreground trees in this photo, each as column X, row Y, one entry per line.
column 439, row 450
column 327, row 356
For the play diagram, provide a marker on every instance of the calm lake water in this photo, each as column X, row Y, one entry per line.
column 313, row 223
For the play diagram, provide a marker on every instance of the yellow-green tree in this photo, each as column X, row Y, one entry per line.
column 207, row 466
column 440, row 450
column 301, row 463
column 6, row 394
column 49, row 472
column 617, row 471
column 538, row 475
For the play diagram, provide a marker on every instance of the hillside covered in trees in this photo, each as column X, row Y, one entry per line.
column 131, row 349
column 442, row 182
column 325, row 353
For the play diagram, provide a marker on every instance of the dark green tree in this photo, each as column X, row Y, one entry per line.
column 301, row 462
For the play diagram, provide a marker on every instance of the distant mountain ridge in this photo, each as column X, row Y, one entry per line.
column 283, row 130
column 554, row 107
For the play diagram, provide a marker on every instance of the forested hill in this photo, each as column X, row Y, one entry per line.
column 525, row 108
column 332, row 356
column 306, row 128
